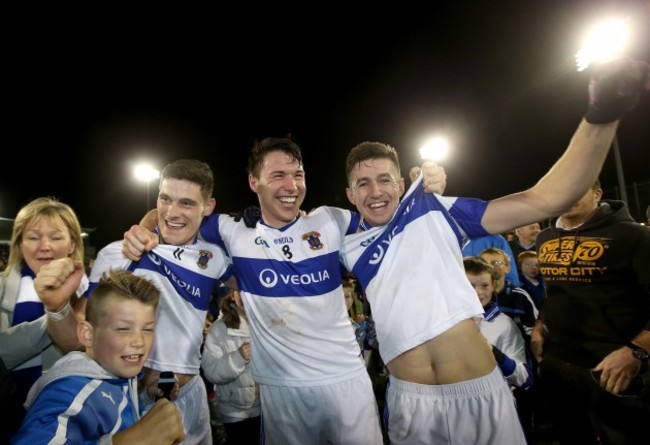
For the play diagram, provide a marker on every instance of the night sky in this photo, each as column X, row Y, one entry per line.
column 85, row 98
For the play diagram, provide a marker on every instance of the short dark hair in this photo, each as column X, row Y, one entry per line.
column 264, row 146
column 370, row 150
column 191, row 170
column 122, row 284
column 476, row 265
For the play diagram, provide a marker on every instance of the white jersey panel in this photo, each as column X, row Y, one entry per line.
column 412, row 269
column 186, row 276
column 290, row 281
column 502, row 332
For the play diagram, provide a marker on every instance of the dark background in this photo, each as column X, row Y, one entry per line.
column 87, row 93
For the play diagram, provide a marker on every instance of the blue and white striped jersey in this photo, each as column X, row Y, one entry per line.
column 290, row 281
column 412, row 270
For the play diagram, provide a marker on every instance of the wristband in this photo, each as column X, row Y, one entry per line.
column 58, row 316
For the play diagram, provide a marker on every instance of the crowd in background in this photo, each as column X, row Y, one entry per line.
column 331, row 326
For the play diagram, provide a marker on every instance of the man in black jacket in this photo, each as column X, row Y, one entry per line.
column 594, row 329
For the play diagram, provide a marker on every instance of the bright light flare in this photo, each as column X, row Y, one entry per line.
column 435, row 150
column 145, row 172
column 603, row 42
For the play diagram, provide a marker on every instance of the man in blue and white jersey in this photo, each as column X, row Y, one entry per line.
column 186, row 270
column 313, row 386
column 408, row 259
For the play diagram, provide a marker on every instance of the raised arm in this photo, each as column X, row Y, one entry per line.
column 56, row 285
column 614, row 89
column 434, row 177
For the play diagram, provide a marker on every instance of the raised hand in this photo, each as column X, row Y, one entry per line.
column 245, row 350
column 434, row 177
column 57, row 282
column 615, row 88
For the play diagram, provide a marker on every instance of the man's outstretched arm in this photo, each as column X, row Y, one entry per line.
column 614, row 89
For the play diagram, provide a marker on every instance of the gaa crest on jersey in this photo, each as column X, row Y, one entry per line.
column 204, row 257
column 313, row 238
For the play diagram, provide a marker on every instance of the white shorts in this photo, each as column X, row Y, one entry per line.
column 338, row 414
column 477, row 411
column 192, row 403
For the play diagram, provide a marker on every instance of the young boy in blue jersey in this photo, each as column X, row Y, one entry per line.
column 408, row 260
column 91, row 396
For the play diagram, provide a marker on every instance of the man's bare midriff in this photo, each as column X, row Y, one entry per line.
column 458, row 354
column 151, row 378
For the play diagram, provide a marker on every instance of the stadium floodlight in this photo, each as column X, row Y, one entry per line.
column 146, row 173
column 436, row 149
column 605, row 41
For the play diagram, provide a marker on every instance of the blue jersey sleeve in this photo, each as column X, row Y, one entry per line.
column 467, row 212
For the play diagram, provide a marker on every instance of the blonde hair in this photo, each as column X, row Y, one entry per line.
column 497, row 251
column 523, row 256
column 51, row 209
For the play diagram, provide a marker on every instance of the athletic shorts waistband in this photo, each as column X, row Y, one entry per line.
column 486, row 384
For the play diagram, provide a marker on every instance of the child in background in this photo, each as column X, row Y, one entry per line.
column 504, row 335
column 225, row 362
column 499, row 329
column 531, row 280
column 512, row 299
column 91, row 396
column 364, row 328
